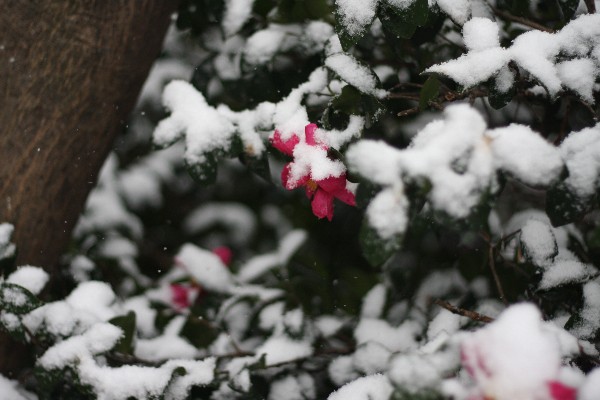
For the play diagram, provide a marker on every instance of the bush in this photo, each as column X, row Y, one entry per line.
column 446, row 244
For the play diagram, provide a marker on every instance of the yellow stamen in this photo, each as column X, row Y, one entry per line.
column 312, row 185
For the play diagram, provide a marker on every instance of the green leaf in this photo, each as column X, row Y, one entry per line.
column 16, row 299
column 204, row 173
column 372, row 108
column 563, row 206
column 127, row 324
column 402, row 23
column 365, row 192
column 429, row 91
column 568, row 8
column 318, row 9
column 258, row 165
column 199, row 331
column 375, row 249
column 348, row 100
column 498, row 99
column 348, row 38
column 352, row 102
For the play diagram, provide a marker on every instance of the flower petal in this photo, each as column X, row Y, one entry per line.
column 333, row 185
column 179, row 296
column 284, row 146
column 287, row 182
column 558, row 391
column 224, row 253
column 322, row 204
column 347, row 197
column 309, row 132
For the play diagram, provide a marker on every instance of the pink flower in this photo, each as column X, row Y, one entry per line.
column 559, row 391
column 321, row 191
column 224, row 253
column 515, row 357
column 183, row 295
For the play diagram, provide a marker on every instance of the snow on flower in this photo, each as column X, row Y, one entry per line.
column 323, row 178
column 515, row 358
column 184, row 294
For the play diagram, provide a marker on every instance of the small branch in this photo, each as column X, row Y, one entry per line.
column 475, row 316
column 492, row 265
column 406, row 96
column 408, row 112
column 524, row 21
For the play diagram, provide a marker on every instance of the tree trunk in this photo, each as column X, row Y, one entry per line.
column 70, row 72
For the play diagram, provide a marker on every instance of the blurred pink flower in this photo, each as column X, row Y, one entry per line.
column 515, row 358
column 322, row 192
column 224, row 253
column 183, row 295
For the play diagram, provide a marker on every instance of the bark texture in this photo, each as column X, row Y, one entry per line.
column 70, row 72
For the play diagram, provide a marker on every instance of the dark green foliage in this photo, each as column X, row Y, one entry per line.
column 563, row 206
column 402, row 23
column 568, row 8
column 429, row 92
column 376, row 249
column 127, row 325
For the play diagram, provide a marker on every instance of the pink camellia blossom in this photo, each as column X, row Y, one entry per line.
column 324, row 179
column 224, row 253
column 183, row 295
column 515, row 358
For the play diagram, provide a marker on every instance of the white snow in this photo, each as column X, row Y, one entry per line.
column 371, row 358
column 204, row 128
column 481, row 34
column 169, row 345
column 341, row 370
column 526, row 155
column 514, row 357
column 356, row 15
column 536, row 52
column 539, row 242
column 401, row 338
column 458, row 10
column 280, row 349
column 591, row 387
column 261, row 264
column 566, row 272
column 7, row 249
column 579, row 75
column 237, row 12
column 372, row 387
column 590, row 314
column 11, row 391
column 290, row 387
column 352, row 72
column 387, row 212
column 205, row 267
column 374, row 302
column 31, row 278
column 237, row 219
column 374, row 160
column 581, row 152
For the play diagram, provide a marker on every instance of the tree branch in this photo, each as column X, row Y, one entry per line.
column 524, row 21
column 475, row 316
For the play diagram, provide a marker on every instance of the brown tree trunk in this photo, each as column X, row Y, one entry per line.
column 70, row 72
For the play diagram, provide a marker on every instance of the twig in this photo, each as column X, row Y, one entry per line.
column 475, row 316
column 524, row 21
column 408, row 112
column 492, row 265
column 406, row 96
